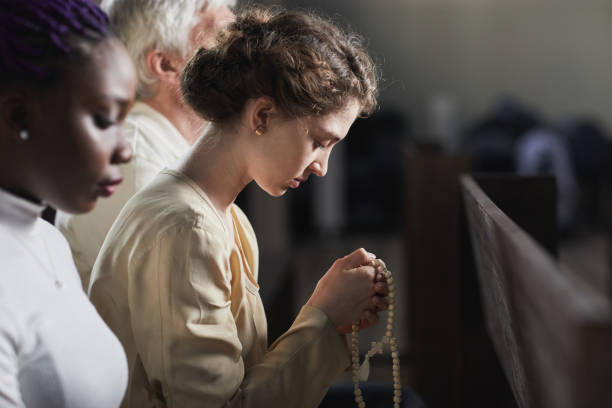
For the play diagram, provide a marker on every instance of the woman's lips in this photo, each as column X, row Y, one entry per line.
column 107, row 188
column 295, row 182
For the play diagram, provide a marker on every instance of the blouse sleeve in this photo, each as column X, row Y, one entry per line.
column 185, row 333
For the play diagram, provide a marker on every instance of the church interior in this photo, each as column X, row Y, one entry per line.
column 484, row 181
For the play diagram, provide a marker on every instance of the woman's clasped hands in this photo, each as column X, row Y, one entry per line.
column 352, row 290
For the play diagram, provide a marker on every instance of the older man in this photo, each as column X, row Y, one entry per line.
column 160, row 36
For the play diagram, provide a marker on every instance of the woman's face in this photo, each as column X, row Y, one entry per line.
column 291, row 150
column 76, row 143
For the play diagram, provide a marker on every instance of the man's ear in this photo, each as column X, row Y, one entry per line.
column 262, row 110
column 163, row 65
column 13, row 114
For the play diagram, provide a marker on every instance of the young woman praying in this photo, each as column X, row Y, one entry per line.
column 65, row 86
column 176, row 278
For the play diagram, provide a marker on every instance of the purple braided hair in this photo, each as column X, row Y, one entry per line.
column 32, row 32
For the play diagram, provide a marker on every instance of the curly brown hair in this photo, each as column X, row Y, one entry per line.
column 305, row 63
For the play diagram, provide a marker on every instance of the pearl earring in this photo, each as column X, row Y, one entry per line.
column 24, row 135
column 361, row 373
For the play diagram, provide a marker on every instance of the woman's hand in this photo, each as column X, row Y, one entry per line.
column 352, row 290
column 369, row 317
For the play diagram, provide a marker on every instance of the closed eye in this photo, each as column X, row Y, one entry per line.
column 102, row 122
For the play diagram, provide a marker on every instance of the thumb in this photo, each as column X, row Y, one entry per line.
column 357, row 258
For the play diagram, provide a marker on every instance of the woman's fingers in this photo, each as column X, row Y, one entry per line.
column 368, row 272
column 381, row 288
column 357, row 258
column 380, row 303
column 344, row 328
column 369, row 316
column 368, row 319
column 353, row 284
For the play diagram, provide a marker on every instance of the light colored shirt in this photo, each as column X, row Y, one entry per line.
column 55, row 350
column 156, row 144
column 182, row 296
column 542, row 151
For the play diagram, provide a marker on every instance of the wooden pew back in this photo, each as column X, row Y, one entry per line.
column 551, row 330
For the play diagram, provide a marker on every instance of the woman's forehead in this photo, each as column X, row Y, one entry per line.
column 108, row 72
column 336, row 124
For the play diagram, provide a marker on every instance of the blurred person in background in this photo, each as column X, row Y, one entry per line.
column 160, row 36
column 513, row 138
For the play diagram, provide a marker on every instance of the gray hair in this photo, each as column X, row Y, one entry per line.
column 165, row 25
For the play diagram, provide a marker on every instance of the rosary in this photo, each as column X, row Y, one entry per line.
column 377, row 347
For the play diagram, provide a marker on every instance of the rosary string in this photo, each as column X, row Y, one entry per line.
column 377, row 348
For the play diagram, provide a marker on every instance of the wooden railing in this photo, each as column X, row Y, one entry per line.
column 551, row 330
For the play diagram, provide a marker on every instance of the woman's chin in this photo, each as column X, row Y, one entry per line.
column 80, row 206
column 277, row 192
column 274, row 191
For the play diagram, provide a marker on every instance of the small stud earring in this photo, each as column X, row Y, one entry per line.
column 24, row 135
column 259, row 131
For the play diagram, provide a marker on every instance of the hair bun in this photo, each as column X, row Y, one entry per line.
column 303, row 62
column 253, row 25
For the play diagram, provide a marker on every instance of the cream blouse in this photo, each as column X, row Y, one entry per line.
column 183, row 298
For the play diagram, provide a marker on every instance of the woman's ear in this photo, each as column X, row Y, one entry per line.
column 261, row 112
column 13, row 114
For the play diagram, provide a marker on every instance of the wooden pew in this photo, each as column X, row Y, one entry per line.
column 451, row 356
column 552, row 331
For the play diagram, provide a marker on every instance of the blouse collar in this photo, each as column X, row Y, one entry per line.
column 18, row 212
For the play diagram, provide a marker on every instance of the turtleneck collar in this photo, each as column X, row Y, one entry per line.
column 17, row 212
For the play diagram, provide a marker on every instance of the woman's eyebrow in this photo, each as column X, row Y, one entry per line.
column 122, row 102
column 330, row 135
column 113, row 99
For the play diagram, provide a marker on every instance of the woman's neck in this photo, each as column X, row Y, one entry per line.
column 218, row 168
column 13, row 174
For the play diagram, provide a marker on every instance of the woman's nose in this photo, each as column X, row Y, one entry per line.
column 123, row 152
column 319, row 167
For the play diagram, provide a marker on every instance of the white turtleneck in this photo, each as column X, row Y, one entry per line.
column 55, row 350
